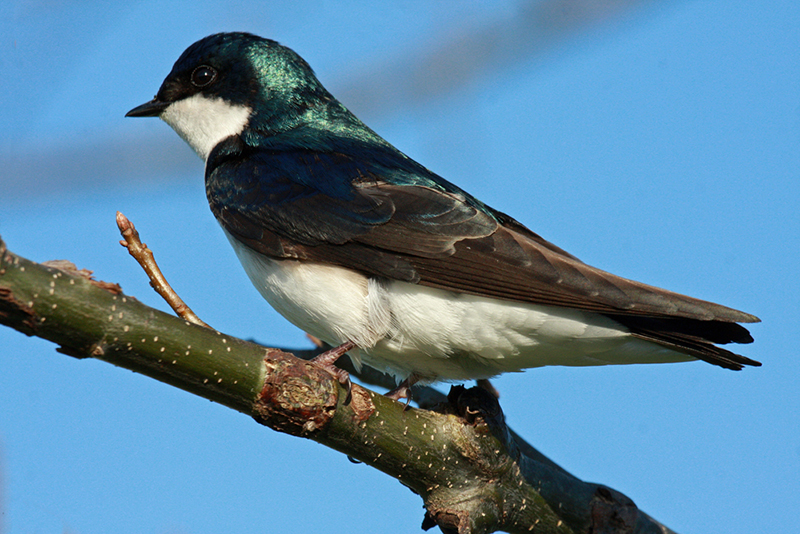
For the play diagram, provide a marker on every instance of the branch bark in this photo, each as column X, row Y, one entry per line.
column 473, row 473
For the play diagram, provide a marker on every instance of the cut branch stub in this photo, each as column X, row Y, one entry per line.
column 298, row 397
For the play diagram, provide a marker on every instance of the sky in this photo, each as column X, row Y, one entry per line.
column 661, row 144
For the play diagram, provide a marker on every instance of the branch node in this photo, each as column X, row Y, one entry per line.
column 298, row 397
column 448, row 521
column 613, row 512
column 478, row 406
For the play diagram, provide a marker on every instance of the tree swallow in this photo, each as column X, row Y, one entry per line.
column 366, row 249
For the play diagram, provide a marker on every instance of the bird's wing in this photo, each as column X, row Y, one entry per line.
column 440, row 237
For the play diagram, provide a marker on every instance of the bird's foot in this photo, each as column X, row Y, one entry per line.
column 403, row 390
column 327, row 361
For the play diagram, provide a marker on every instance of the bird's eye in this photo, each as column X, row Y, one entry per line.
column 203, row 75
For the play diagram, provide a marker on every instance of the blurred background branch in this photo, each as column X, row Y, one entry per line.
column 462, row 53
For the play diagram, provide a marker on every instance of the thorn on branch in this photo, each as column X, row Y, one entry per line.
column 144, row 256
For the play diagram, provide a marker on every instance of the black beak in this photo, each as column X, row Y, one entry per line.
column 149, row 109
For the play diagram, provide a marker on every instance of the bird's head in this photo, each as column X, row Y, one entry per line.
column 234, row 84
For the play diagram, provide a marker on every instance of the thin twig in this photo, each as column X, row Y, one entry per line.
column 144, row 256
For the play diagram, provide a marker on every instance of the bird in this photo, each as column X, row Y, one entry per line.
column 368, row 250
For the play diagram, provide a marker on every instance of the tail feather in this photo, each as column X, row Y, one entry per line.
column 694, row 337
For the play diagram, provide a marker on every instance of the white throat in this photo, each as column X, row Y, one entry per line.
column 203, row 122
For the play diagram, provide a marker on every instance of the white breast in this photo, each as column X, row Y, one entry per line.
column 405, row 328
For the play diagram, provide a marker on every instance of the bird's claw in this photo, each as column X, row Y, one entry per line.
column 344, row 379
column 327, row 361
column 403, row 390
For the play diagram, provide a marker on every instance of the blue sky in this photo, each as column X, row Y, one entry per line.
column 662, row 145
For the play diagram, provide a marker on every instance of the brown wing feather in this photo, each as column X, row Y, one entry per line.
column 469, row 251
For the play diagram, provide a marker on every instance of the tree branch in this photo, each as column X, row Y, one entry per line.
column 473, row 474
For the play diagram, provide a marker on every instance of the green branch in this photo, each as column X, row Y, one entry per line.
column 472, row 472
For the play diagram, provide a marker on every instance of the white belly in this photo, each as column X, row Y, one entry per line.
column 402, row 328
